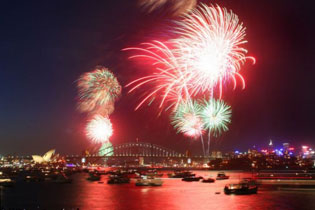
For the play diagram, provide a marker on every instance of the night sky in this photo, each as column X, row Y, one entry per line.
column 46, row 45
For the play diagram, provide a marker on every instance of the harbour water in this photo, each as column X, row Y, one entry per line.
column 173, row 195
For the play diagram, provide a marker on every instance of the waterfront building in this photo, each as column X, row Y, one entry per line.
column 45, row 158
column 216, row 154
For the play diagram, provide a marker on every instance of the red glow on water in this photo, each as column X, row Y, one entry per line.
column 284, row 177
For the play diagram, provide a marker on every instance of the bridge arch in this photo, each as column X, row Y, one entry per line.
column 142, row 149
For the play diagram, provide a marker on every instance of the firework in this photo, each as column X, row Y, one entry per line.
column 187, row 119
column 98, row 91
column 210, row 46
column 169, row 80
column 172, row 7
column 106, row 149
column 216, row 115
column 99, row 129
column 207, row 53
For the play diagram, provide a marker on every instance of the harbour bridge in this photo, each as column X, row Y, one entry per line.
column 135, row 150
column 139, row 149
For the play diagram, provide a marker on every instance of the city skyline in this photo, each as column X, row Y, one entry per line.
column 47, row 46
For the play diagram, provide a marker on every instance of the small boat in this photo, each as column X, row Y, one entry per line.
column 222, row 176
column 63, row 179
column 6, row 181
column 33, row 178
column 118, row 180
column 208, row 180
column 149, row 181
column 34, row 175
column 153, row 173
column 94, row 177
column 191, row 179
column 240, row 189
column 180, row 174
column 249, row 181
column 129, row 173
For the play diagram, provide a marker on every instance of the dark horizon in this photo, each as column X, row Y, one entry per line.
column 46, row 46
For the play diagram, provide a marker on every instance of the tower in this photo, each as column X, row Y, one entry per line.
column 270, row 146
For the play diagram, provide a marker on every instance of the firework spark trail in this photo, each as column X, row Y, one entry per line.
column 99, row 129
column 169, row 79
column 216, row 115
column 187, row 120
column 98, row 91
column 210, row 45
column 207, row 54
column 172, row 7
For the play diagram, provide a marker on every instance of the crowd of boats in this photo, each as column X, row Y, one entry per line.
column 153, row 178
column 150, row 177
column 8, row 178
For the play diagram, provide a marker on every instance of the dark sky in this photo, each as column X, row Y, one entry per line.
column 46, row 45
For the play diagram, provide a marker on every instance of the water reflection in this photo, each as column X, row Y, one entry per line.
column 173, row 195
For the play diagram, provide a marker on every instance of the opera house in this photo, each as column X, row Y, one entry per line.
column 45, row 158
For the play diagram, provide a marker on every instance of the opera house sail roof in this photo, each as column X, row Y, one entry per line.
column 45, row 158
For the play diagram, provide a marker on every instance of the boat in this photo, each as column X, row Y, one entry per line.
column 30, row 178
column 241, row 188
column 153, row 173
column 34, row 175
column 94, row 177
column 50, row 176
column 250, row 181
column 33, row 178
column 6, row 181
column 292, row 180
column 192, row 179
column 131, row 173
column 222, row 176
column 285, row 175
column 208, row 180
column 63, row 179
column 180, row 174
column 114, row 179
column 149, row 181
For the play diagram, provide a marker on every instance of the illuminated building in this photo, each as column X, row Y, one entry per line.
column 286, row 146
column 270, row 147
column 307, row 152
column 285, row 150
column 216, row 154
column 45, row 158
